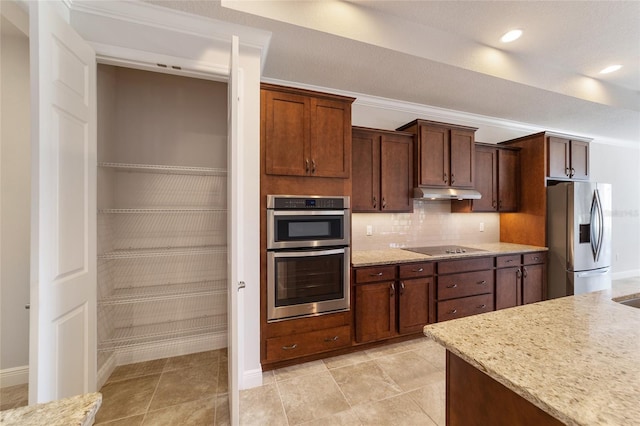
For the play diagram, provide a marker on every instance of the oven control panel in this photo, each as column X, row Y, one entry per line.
column 287, row 202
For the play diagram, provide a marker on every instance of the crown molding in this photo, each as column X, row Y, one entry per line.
column 453, row 116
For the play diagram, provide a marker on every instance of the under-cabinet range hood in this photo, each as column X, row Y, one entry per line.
column 425, row 193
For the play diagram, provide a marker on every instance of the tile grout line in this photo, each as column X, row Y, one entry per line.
column 281, row 402
column 144, row 417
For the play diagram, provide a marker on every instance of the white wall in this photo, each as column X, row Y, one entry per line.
column 15, row 214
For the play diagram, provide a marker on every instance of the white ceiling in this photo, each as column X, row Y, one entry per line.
column 447, row 54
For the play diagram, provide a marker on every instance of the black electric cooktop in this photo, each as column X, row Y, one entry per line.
column 443, row 250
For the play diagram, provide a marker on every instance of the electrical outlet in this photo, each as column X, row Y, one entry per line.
column 369, row 230
column 481, row 226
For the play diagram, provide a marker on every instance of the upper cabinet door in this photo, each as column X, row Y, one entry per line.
column 62, row 357
column 330, row 144
column 396, row 169
column 580, row 160
column 286, row 121
column 508, row 180
column 366, row 171
column 486, row 179
column 433, row 168
column 462, row 158
column 558, row 158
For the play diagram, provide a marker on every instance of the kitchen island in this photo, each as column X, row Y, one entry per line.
column 573, row 360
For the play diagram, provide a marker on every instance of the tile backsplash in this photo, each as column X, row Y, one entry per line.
column 430, row 224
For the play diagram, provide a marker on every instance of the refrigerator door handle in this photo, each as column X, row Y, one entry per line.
column 596, row 226
column 592, row 273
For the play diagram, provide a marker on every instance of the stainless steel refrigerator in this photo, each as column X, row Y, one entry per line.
column 579, row 238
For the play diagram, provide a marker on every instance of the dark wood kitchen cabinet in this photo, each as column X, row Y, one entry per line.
column 375, row 303
column 306, row 133
column 497, row 179
column 382, row 171
column 520, row 279
column 444, row 154
column 568, row 159
column 390, row 303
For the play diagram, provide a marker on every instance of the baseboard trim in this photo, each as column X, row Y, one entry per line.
column 252, row 378
column 14, row 376
column 625, row 274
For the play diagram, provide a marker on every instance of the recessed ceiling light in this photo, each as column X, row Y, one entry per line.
column 610, row 68
column 511, row 36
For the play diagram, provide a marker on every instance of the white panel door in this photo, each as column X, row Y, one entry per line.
column 62, row 358
column 235, row 235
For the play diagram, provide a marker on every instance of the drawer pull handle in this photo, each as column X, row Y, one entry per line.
column 509, row 260
column 331, row 339
column 452, row 286
column 455, row 311
column 536, row 258
column 417, row 270
column 483, row 282
column 379, row 274
column 288, row 348
column 482, row 306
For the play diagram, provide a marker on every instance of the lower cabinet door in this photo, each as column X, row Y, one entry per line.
column 465, row 306
column 301, row 344
column 413, row 309
column 533, row 283
column 375, row 310
column 508, row 289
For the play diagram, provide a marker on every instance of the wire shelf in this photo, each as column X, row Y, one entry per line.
column 162, row 252
column 156, row 168
column 128, row 337
column 164, row 292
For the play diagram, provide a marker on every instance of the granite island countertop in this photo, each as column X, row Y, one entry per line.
column 397, row 255
column 577, row 357
column 79, row 410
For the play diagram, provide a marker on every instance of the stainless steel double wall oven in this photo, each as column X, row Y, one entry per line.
column 308, row 255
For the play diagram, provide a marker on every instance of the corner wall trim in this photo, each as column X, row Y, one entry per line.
column 14, row 376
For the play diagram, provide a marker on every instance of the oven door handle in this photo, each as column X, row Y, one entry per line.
column 305, row 253
column 307, row 212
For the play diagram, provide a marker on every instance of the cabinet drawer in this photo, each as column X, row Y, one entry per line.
column 533, row 258
column 380, row 273
column 507, row 261
column 463, row 307
column 464, row 265
column 467, row 284
column 297, row 345
column 414, row 270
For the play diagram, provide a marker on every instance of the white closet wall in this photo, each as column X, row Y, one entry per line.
column 162, row 220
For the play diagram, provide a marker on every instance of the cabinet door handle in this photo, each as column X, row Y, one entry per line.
column 375, row 202
column 401, row 288
column 524, row 272
column 331, row 339
column 384, row 203
column 483, row 282
column 392, row 290
column 493, row 204
column 444, row 179
column 288, row 348
column 518, row 273
column 482, row 306
column 379, row 274
column 566, row 171
column 453, row 179
column 306, row 166
column 452, row 286
column 455, row 311
column 313, row 166
column 417, row 270
column 573, row 172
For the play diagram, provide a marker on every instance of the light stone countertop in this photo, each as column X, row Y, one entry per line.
column 79, row 410
column 397, row 255
column 577, row 357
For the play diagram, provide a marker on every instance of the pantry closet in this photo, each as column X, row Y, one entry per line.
column 162, row 216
